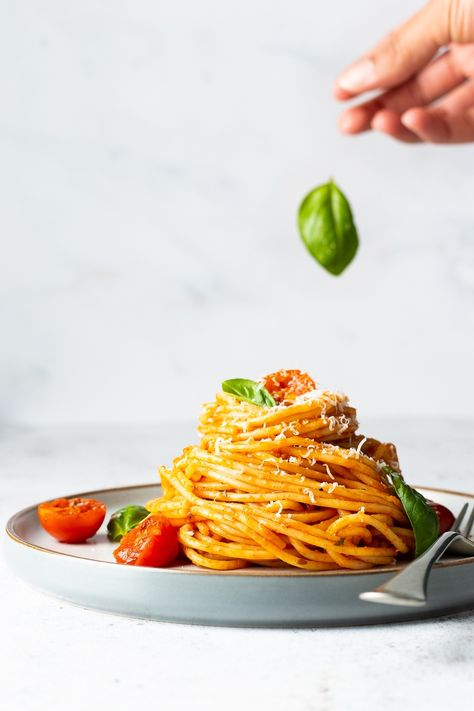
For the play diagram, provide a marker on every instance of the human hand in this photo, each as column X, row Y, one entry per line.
column 424, row 98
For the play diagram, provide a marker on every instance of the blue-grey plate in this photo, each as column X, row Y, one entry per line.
column 87, row 575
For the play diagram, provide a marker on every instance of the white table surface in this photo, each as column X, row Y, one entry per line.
column 55, row 655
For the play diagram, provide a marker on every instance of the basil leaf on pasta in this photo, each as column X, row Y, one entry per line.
column 123, row 520
column 422, row 517
column 248, row 390
column 327, row 227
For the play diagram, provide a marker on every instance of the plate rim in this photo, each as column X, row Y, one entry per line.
column 246, row 572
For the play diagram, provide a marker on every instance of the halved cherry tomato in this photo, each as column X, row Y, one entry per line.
column 445, row 517
column 153, row 542
column 72, row 520
column 286, row 385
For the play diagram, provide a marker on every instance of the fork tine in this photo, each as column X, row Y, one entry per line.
column 459, row 518
column 469, row 524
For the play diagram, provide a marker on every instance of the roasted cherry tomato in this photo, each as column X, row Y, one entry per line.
column 286, row 385
column 71, row 520
column 153, row 542
column 445, row 517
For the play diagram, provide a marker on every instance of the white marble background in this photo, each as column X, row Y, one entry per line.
column 153, row 155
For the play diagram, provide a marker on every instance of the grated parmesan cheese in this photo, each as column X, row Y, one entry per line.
column 329, row 472
column 293, row 429
column 272, row 504
column 360, row 445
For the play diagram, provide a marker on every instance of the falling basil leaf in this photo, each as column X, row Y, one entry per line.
column 123, row 520
column 327, row 228
column 248, row 390
column 422, row 517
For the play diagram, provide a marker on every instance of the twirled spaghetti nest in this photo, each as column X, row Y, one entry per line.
column 286, row 485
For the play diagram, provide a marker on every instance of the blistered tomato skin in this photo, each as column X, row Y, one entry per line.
column 153, row 543
column 445, row 516
column 72, row 520
column 286, row 385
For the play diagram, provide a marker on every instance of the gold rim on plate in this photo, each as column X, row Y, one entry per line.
column 258, row 572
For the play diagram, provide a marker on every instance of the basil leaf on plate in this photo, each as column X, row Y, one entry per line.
column 422, row 517
column 248, row 390
column 123, row 520
column 327, row 227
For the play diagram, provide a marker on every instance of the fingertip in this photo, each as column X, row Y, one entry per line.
column 359, row 77
column 412, row 119
column 379, row 121
column 340, row 94
column 345, row 124
column 427, row 124
column 388, row 122
column 385, row 121
column 355, row 120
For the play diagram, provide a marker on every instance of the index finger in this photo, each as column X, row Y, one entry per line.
column 398, row 56
column 434, row 81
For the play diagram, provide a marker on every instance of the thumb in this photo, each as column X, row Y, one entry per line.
column 399, row 55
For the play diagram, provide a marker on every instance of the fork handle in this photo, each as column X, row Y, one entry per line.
column 409, row 586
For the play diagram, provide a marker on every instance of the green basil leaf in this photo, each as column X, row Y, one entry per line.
column 327, row 228
column 123, row 520
column 248, row 390
column 422, row 517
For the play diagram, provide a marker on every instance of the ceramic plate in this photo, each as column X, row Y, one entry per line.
column 86, row 574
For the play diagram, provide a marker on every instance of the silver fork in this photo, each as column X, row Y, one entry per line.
column 409, row 586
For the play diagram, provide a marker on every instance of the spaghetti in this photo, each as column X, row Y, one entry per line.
column 288, row 485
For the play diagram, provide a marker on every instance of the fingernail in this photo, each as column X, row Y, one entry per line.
column 358, row 77
column 375, row 123
column 406, row 119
